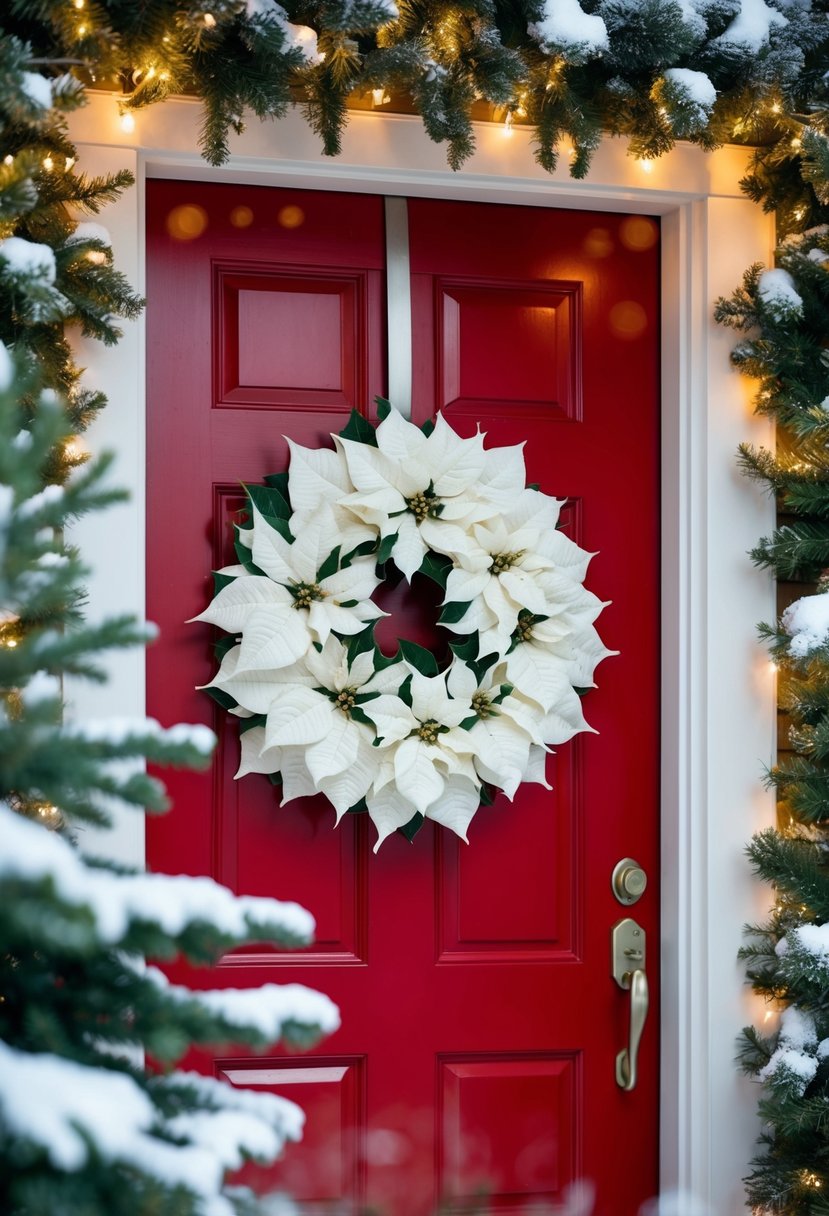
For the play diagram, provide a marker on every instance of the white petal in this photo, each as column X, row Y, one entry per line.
column 523, row 591
column 456, row 806
column 536, row 767
column 336, row 750
column 274, row 636
column 430, row 700
column 255, row 756
column 392, row 717
column 415, row 773
column 316, row 475
column 503, row 752
column 504, row 475
column 345, row 789
column 389, row 811
column 234, row 604
column 296, row 780
column 409, row 548
column 270, row 551
column 355, row 582
column 461, row 681
column 398, row 438
column 463, row 586
column 300, row 716
column 370, row 470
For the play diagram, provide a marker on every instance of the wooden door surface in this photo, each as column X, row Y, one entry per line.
column 475, row 1067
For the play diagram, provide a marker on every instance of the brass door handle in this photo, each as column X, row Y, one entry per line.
column 627, row 1059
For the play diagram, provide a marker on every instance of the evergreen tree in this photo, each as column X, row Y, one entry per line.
column 784, row 314
column 86, row 1127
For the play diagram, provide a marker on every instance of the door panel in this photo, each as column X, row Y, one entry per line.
column 475, row 1066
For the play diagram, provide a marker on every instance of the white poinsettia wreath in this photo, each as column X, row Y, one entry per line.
column 324, row 711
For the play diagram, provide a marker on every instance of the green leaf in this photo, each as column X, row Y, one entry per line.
column 359, row 429
column 364, row 549
column 330, row 566
column 221, row 697
column 244, row 558
column 487, row 796
column 404, row 692
column 436, row 567
column 411, row 829
column 269, row 501
column 278, row 481
column 421, row 659
column 223, row 645
column 428, row 426
column 506, row 689
column 384, row 408
column 452, row 612
column 384, row 549
column 468, row 723
column 359, row 808
column 534, row 485
column 357, row 715
column 220, row 581
column 274, row 778
column 582, row 692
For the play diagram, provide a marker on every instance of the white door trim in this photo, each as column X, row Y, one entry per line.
column 718, row 702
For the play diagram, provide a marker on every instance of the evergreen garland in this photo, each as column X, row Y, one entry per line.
column 655, row 71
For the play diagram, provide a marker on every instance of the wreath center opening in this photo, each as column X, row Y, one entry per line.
column 413, row 610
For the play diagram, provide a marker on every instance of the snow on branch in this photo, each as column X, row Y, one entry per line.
column 74, row 1113
column 117, row 903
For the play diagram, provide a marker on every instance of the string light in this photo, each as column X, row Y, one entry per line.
column 775, row 107
column 79, row 4
column 508, row 121
column 127, row 123
column 379, row 97
column 645, row 165
column 69, row 162
column 96, row 256
column 795, row 143
column 209, row 21
column 81, row 31
column 8, row 160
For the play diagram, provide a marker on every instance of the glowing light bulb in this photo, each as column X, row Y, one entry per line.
column 79, row 4
column 96, row 256
column 8, row 160
column 127, row 123
column 10, row 644
column 645, row 165
column 772, row 665
column 48, row 164
column 508, row 121
column 795, row 143
column 81, row 31
column 775, row 108
column 150, row 72
column 209, row 21
column 379, row 97
column 69, row 162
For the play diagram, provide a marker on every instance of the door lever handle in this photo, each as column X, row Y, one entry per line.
column 627, row 1059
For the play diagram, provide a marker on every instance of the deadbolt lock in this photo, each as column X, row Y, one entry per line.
column 628, row 881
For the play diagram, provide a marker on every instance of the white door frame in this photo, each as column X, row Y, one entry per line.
column 717, row 685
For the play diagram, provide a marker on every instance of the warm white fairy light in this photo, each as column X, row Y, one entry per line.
column 209, row 21
column 8, row 160
column 69, row 162
column 48, row 164
column 645, row 165
column 96, row 256
column 508, row 121
column 127, row 123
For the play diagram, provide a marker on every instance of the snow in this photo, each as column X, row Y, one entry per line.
column 807, row 623
column 268, row 1008
column 777, row 291
column 818, row 255
column 6, row 369
column 566, row 24
column 814, row 939
column 28, row 258
column 87, row 231
column 117, row 731
column 41, row 687
column 49, row 496
column 38, row 89
column 301, row 36
column 696, row 85
column 751, row 27
column 797, row 1028
column 797, row 1064
column 172, row 902
column 278, row 1111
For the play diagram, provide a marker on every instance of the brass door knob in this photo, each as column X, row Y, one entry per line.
column 628, row 881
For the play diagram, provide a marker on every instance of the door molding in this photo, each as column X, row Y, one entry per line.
column 717, row 686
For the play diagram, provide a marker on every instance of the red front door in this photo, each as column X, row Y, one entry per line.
column 476, row 1065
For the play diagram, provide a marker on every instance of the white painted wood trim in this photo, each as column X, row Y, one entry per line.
column 718, row 697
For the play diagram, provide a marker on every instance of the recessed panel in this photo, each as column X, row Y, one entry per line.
column 326, row 1165
column 537, row 836
column 510, row 346
column 287, row 852
column 509, row 1130
column 290, row 340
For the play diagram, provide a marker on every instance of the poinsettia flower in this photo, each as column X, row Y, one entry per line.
column 545, row 663
column 317, row 476
column 280, row 613
column 419, row 489
column 425, row 740
column 505, row 726
column 516, row 562
column 315, row 706
column 454, row 809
